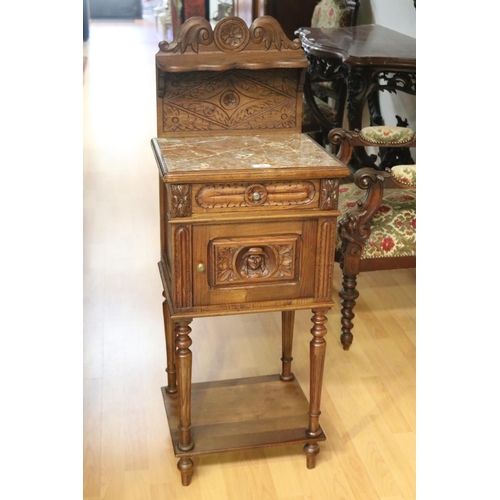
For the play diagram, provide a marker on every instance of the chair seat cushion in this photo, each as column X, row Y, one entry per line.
column 386, row 135
column 405, row 174
column 393, row 227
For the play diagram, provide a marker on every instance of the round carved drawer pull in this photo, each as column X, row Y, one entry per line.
column 255, row 195
column 200, row 268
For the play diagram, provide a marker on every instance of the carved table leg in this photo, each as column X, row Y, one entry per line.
column 360, row 86
column 287, row 320
column 348, row 294
column 317, row 363
column 183, row 358
column 186, row 467
column 170, row 343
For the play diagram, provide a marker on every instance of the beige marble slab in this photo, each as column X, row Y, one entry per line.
column 243, row 152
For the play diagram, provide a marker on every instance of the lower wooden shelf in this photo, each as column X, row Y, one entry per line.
column 241, row 414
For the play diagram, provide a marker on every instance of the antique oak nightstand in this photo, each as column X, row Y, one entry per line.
column 248, row 210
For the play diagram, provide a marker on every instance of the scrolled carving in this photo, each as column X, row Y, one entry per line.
column 326, row 69
column 267, row 31
column 195, row 32
column 341, row 138
column 354, row 227
column 392, row 82
column 231, row 34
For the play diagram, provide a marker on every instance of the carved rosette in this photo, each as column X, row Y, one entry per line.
column 179, row 200
column 236, row 262
column 231, row 35
column 329, row 195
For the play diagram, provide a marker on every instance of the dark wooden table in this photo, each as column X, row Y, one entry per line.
column 363, row 60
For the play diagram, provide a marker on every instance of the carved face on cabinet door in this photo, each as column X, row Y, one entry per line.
column 254, row 263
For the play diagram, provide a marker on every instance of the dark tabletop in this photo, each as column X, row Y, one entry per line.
column 366, row 45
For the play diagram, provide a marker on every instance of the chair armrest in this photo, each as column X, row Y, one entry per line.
column 354, row 226
column 381, row 136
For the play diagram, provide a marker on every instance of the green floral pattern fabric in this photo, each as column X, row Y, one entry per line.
column 330, row 14
column 393, row 227
column 386, row 135
column 405, row 174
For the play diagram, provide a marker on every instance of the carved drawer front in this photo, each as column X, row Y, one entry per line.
column 236, row 263
column 260, row 195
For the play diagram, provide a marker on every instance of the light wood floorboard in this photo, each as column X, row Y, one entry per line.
column 368, row 404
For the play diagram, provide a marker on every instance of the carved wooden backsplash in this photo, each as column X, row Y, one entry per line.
column 229, row 100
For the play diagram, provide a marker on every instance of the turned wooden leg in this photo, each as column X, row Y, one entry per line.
column 317, row 362
column 186, row 466
column 170, row 343
column 183, row 359
column 348, row 294
column 312, row 450
column 287, row 320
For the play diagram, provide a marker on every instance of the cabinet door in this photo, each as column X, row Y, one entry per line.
column 253, row 262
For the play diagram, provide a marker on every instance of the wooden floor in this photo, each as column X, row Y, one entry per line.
column 368, row 402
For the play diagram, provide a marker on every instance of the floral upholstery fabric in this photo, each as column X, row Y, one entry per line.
column 386, row 135
column 393, row 227
column 405, row 174
column 330, row 14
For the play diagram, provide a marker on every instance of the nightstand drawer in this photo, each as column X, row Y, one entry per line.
column 264, row 195
column 253, row 262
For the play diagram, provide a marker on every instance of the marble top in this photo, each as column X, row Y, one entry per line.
column 243, row 152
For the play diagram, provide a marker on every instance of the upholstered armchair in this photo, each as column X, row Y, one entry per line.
column 329, row 96
column 378, row 227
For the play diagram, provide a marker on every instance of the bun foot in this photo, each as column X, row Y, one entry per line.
column 312, row 451
column 186, row 467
